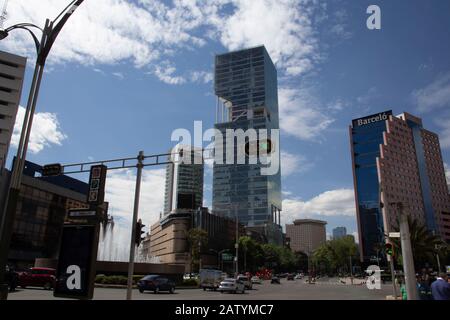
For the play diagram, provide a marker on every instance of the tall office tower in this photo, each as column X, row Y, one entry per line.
column 246, row 89
column 12, row 71
column 184, row 182
column 396, row 160
column 339, row 232
column 306, row 235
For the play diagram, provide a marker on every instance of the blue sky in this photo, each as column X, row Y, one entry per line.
column 124, row 74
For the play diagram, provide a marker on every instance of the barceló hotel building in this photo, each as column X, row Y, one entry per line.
column 395, row 159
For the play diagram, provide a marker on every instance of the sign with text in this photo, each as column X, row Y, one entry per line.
column 97, row 180
column 75, row 273
column 382, row 116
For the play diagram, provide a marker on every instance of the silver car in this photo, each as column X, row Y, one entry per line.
column 232, row 285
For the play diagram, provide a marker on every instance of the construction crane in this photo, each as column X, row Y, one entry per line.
column 4, row 14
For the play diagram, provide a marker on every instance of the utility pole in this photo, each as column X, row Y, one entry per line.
column 133, row 223
column 407, row 254
column 236, row 246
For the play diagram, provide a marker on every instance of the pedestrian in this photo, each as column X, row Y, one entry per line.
column 423, row 288
column 440, row 289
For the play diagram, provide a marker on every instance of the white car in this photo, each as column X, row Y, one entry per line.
column 299, row 276
column 232, row 285
column 256, row 280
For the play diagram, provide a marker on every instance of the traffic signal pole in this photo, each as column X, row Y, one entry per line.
column 394, row 287
column 133, row 224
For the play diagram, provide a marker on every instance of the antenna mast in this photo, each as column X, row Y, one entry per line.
column 4, row 14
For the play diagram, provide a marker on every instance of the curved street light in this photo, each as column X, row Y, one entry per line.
column 49, row 35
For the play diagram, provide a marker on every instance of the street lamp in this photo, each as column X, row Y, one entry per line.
column 49, row 35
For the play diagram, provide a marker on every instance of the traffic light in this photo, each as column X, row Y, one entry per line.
column 97, row 178
column 139, row 232
column 262, row 146
column 389, row 249
column 54, row 169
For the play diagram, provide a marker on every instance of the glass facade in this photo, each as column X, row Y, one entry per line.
column 366, row 139
column 246, row 82
column 40, row 214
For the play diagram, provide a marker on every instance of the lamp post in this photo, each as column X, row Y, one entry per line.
column 49, row 35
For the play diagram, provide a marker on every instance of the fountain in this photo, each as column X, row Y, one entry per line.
column 114, row 244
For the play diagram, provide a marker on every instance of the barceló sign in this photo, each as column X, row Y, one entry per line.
column 382, row 116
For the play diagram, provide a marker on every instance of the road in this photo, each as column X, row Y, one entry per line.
column 327, row 289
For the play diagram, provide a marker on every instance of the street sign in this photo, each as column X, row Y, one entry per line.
column 54, row 169
column 394, row 234
column 97, row 178
column 227, row 257
column 75, row 273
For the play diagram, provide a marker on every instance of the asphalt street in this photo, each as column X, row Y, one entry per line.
column 326, row 289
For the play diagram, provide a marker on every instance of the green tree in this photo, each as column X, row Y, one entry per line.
column 196, row 238
column 334, row 255
column 425, row 245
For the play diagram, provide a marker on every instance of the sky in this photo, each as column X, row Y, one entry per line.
column 123, row 75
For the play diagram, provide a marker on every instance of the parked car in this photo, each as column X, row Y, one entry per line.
column 290, row 276
column 38, row 277
column 299, row 276
column 232, row 285
column 275, row 280
column 246, row 280
column 11, row 278
column 256, row 280
column 156, row 283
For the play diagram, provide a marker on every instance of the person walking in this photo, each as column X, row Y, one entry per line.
column 440, row 289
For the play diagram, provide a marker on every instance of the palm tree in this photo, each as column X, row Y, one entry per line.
column 423, row 242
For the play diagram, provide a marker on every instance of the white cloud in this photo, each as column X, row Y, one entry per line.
column 300, row 114
column 201, row 76
column 45, row 131
column 118, row 75
column 284, row 26
column 120, row 186
column 340, row 202
column 435, row 95
column 293, row 163
column 165, row 73
column 112, row 31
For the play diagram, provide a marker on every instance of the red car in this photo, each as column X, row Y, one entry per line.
column 38, row 277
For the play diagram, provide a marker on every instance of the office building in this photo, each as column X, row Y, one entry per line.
column 41, row 210
column 396, row 160
column 184, row 181
column 12, row 72
column 168, row 237
column 339, row 232
column 246, row 89
column 306, row 235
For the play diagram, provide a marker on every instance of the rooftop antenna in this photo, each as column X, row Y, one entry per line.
column 4, row 14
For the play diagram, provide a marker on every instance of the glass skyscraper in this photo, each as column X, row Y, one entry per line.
column 366, row 135
column 396, row 160
column 246, row 89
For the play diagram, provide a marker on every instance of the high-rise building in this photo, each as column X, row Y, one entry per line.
column 339, row 232
column 396, row 160
column 306, row 235
column 184, row 181
column 12, row 71
column 246, row 89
